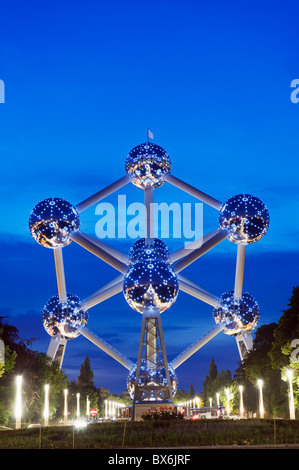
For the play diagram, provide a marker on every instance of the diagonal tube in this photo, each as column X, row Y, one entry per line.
column 62, row 294
column 107, row 348
column 103, row 193
column 190, row 247
column 104, row 294
column 79, row 238
column 195, row 254
column 193, row 191
column 199, row 293
column 196, row 346
column 108, row 249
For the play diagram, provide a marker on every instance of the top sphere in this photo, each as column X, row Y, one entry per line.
column 140, row 250
column 147, row 164
column 51, row 222
column 246, row 217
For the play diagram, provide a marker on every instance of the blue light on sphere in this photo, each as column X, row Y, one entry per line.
column 140, row 250
column 155, row 378
column 147, row 164
column 237, row 315
column 150, row 283
column 51, row 222
column 64, row 318
column 246, row 217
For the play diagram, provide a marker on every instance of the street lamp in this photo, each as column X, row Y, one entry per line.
column 18, row 405
column 210, row 402
column 87, row 406
column 241, row 401
column 227, row 401
column 65, row 405
column 261, row 407
column 291, row 394
column 78, row 405
column 46, row 410
column 218, row 403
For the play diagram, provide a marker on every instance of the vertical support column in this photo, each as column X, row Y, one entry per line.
column 151, row 344
column 149, row 215
column 239, row 271
column 60, row 274
column 152, row 364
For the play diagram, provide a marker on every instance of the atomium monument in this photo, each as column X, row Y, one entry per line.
column 150, row 276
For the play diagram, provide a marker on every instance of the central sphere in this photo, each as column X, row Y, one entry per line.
column 156, row 250
column 150, row 283
column 147, row 164
column 64, row 318
column 237, row 315
column 155, row 378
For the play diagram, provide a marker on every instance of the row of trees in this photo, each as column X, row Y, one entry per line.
column 275, row 350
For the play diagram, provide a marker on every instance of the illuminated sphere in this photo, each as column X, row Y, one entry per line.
column 245, row 217
column 237, row 315
column 140, row 250
column 155, row 378
column 51, row 222
column 150, row 283
column 147, row 164
column 64, row 317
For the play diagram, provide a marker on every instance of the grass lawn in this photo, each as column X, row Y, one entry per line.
column 155, row 434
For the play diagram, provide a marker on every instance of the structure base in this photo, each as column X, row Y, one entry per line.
column 140, row 408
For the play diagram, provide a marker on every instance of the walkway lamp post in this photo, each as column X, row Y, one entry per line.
column 241, row 401
column 218, row 403
column 18, row 404
column 78, row 405
column 291, row 394
column 46, row 409
column 261, row 402
column 227, row 401
column 65, row 412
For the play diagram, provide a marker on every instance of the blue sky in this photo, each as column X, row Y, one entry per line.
column 83, row 82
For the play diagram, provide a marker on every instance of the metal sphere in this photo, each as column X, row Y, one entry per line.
column 155, row 378
column 64, row 318
column 147, row 164
column 51, row 222
column 246, row 217
column 140, row 250
column 237, row 315
column 150, row 283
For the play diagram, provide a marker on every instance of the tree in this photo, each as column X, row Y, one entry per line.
column 85, row 379
column 287, row 330
column 213, row 372
column 36, row 369
column 191, row 393
column 257, row 365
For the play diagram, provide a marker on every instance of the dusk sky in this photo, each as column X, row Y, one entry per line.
column 83, row 82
